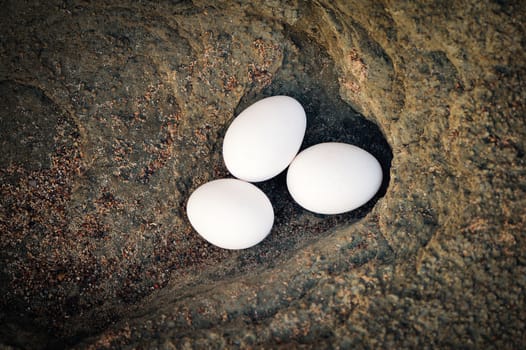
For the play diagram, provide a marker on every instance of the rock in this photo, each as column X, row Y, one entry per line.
column 126, row 107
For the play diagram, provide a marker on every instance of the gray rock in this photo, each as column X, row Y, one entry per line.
column 113, row 112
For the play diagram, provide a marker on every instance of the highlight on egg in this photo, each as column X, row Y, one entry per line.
column 333, row 178
column 264, row 138
column 230, row 213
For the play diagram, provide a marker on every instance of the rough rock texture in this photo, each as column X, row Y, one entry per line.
column 111, row 113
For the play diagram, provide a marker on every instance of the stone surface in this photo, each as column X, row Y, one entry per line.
column 113, row 112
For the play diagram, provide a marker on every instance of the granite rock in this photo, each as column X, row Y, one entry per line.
column 112, row 112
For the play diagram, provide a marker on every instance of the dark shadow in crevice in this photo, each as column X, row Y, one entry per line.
column 308, row 74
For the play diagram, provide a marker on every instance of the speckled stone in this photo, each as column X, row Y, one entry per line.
column 113, row 112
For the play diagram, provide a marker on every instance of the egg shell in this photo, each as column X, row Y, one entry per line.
column 333, row 178
column 230, row 213
column 264, row 138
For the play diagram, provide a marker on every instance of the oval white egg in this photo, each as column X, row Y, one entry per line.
column 333, row 178
column 230, row 213
column 264, row 138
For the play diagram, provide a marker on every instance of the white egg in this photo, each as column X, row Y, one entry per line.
column 230, row 213
column 333, row 178
column 264, row 138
